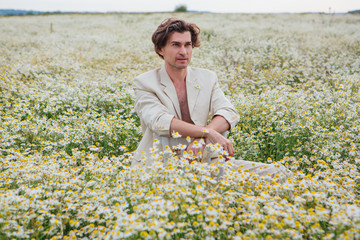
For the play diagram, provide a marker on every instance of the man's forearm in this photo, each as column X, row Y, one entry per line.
column 213, row 131
column 186, row 129
column 218, row 123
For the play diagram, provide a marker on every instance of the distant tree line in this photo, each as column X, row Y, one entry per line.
column 354, row 12
column 12, row 12
column 15, row 12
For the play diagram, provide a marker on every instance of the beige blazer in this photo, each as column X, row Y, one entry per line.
column 157, row 104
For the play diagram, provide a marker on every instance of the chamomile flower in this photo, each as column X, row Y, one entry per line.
column 175, row 135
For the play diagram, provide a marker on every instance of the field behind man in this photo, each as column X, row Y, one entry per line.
column 68, row 127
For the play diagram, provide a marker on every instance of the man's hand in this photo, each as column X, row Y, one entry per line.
column 215, row 137
column 218, row 124
column 196, row 146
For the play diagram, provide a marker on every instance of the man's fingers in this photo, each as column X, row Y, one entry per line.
column 215, row 138
column 195, row 150
column 231, row 151
column 224, row 142
column 229, row 147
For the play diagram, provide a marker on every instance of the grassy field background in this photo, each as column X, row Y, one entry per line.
column 68, row 129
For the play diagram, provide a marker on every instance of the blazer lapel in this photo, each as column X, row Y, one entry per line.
column 169, row 90
column 192, row 90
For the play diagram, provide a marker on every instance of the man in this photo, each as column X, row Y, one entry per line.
column 162, row 100
column 178, row 98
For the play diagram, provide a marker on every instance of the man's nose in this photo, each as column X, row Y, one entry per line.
column 182, row 50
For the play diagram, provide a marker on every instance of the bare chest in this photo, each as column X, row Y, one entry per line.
column 183, row 102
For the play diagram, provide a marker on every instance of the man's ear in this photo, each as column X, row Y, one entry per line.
column 160, row 52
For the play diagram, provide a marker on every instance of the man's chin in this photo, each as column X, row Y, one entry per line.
column 182, row 66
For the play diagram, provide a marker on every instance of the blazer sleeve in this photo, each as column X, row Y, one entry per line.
column 151, row 111
column 220, row 105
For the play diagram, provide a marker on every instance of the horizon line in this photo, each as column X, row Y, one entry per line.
column 188, row 11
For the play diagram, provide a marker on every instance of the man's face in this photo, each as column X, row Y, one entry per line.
column 177, row 51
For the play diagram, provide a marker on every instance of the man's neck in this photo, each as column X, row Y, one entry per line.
column 176, row 75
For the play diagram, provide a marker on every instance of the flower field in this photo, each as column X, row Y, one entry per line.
column 68, row 129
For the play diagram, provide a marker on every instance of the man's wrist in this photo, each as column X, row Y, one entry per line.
column 205, row 132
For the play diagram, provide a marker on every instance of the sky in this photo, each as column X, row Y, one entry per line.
column 222, row 6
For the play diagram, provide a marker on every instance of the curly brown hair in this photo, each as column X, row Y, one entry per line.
column 170, row 25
